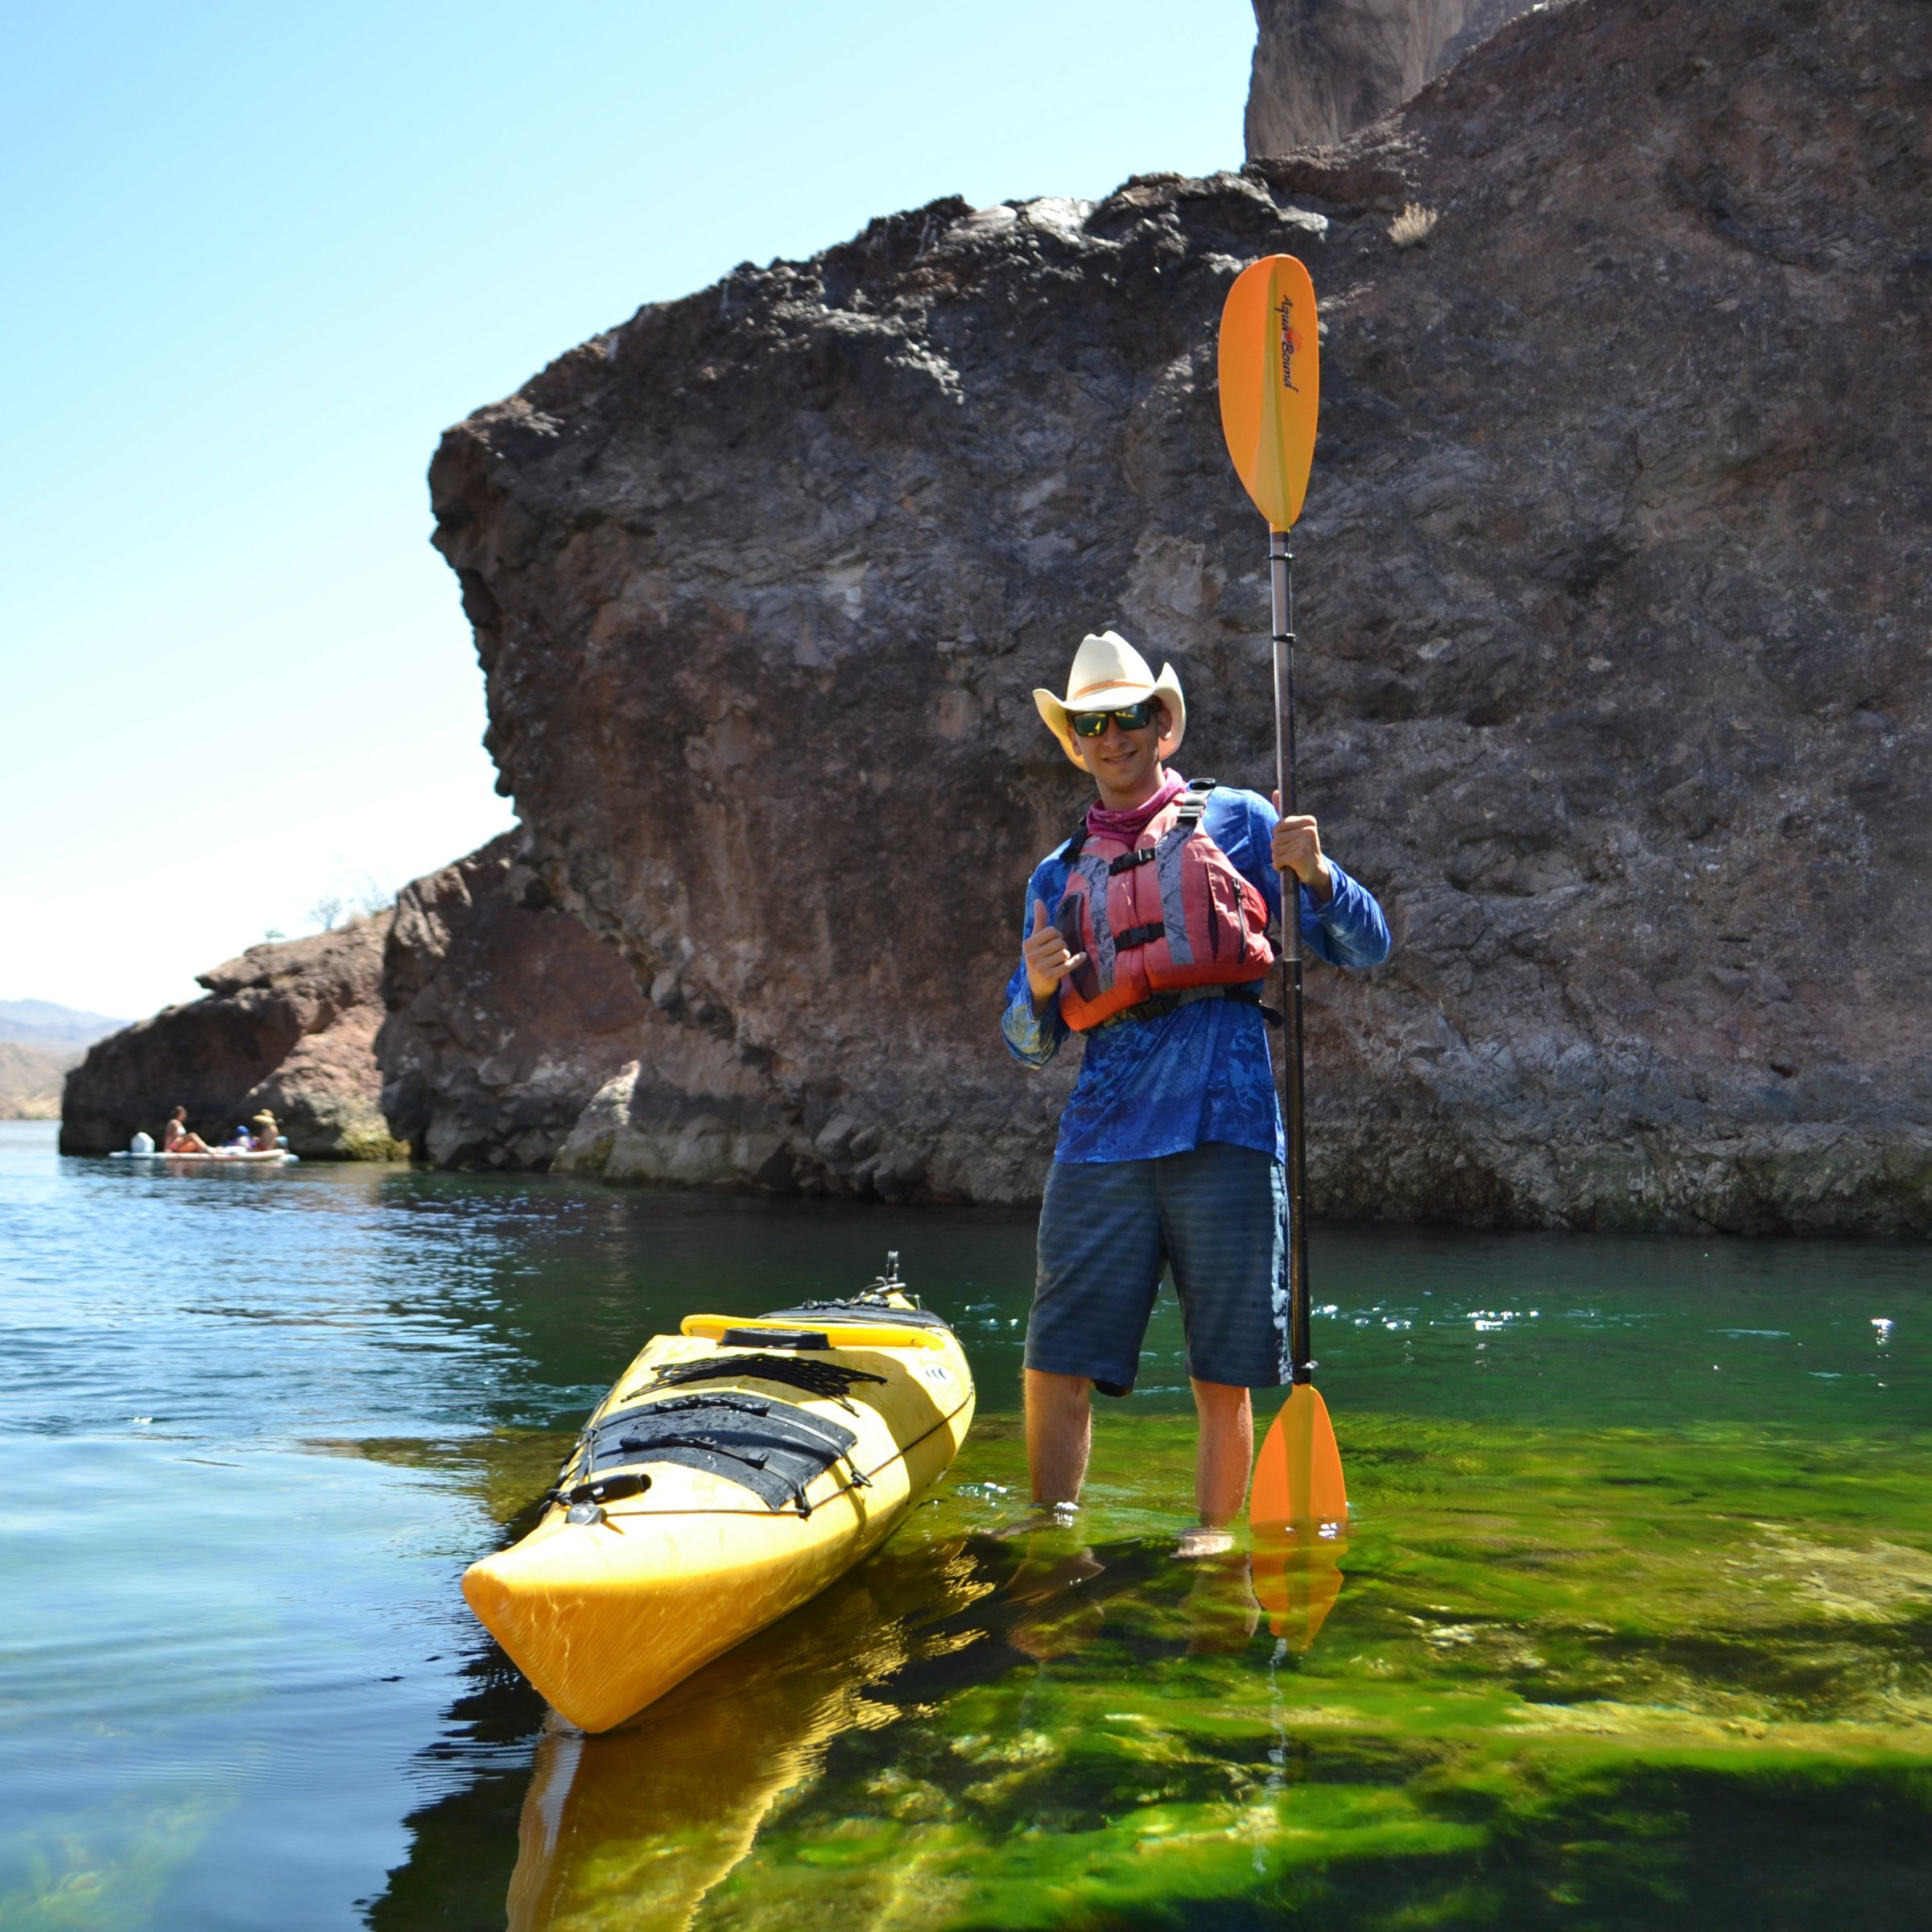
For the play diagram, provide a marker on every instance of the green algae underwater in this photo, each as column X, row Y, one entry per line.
column 1668, row 1671
column 1573, row 1678
column 1631, row 1629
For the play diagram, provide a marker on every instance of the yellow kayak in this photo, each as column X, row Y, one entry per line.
column 732, row 1471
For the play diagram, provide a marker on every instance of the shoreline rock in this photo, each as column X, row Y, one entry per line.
column 469, row 1026
column 289, row 1024
column 504, row 1017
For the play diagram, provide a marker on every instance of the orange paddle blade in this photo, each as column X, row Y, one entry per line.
column 1298, row 1477
column 1297, row 1579
column 1271, row 384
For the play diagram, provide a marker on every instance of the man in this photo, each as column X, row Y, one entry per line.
column 1170, row 1149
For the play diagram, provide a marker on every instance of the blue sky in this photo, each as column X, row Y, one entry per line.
column 258, row 257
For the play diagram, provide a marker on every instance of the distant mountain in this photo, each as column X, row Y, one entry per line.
column 56, row 1029
column 30, row 1078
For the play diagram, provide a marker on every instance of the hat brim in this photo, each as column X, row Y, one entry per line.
column 1055, row 712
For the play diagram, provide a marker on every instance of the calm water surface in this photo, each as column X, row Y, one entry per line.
column 1634, row 1628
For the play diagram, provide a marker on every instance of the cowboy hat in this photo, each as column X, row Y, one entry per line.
column 1108, row 674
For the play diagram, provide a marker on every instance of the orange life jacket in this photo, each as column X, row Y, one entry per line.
column 1167, row 914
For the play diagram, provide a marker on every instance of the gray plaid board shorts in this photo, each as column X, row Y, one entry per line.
column 1108, row 1228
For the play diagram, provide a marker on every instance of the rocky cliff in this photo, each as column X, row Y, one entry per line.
column 290, row 1026
column 1613, row 612
column 471, row 1027
column 504, row 1017
column 1324, row 68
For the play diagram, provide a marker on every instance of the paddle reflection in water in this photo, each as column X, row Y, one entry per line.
column 1298, row 1578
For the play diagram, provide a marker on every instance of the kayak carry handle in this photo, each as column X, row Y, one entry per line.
column 722, row 1328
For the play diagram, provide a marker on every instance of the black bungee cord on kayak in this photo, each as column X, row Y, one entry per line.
column 790, row 1427
column 772, row 1448
column 833, row 1381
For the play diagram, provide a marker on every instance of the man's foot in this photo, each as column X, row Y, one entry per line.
column 1041, row 1516
column 1201, row 1541
column 1220, row 1608
column 1051, row 1612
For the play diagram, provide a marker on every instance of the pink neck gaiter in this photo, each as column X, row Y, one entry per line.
column 1128, row 826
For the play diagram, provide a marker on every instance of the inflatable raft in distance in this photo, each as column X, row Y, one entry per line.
column 279, row 1157
column 732, row 1471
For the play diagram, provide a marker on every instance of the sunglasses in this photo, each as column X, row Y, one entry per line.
column 1093, row 723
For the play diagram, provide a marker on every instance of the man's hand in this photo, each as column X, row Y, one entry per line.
column 1048, row 961
column 1298, row 848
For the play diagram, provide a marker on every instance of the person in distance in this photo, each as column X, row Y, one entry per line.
column 176, row 1138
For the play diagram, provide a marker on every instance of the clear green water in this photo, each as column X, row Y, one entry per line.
column 1634, row 1628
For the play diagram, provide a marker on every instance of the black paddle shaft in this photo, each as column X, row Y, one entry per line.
column 1281, row 582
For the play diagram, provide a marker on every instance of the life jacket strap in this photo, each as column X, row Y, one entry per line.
column 1162, row 1004
column 1193, row 802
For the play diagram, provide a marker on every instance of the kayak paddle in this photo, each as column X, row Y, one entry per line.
column 1270, row 390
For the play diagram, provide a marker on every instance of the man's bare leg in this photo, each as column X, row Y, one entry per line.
column 1222, row 1458
column 1059, row 1432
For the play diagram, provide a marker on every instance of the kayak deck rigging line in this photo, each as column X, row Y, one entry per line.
column 831, row 1381
column 618, row 1487
column 770, row 1447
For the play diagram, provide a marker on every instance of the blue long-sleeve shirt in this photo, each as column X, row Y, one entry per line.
column 1202, row 1072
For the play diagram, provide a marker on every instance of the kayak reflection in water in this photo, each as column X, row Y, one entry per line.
column 638, row 1825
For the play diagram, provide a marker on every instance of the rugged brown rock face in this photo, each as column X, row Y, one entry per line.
column 471, row 1027
column 1324, row 68
column 290, row 1026
column 504, row 1017
column 1613, row 612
